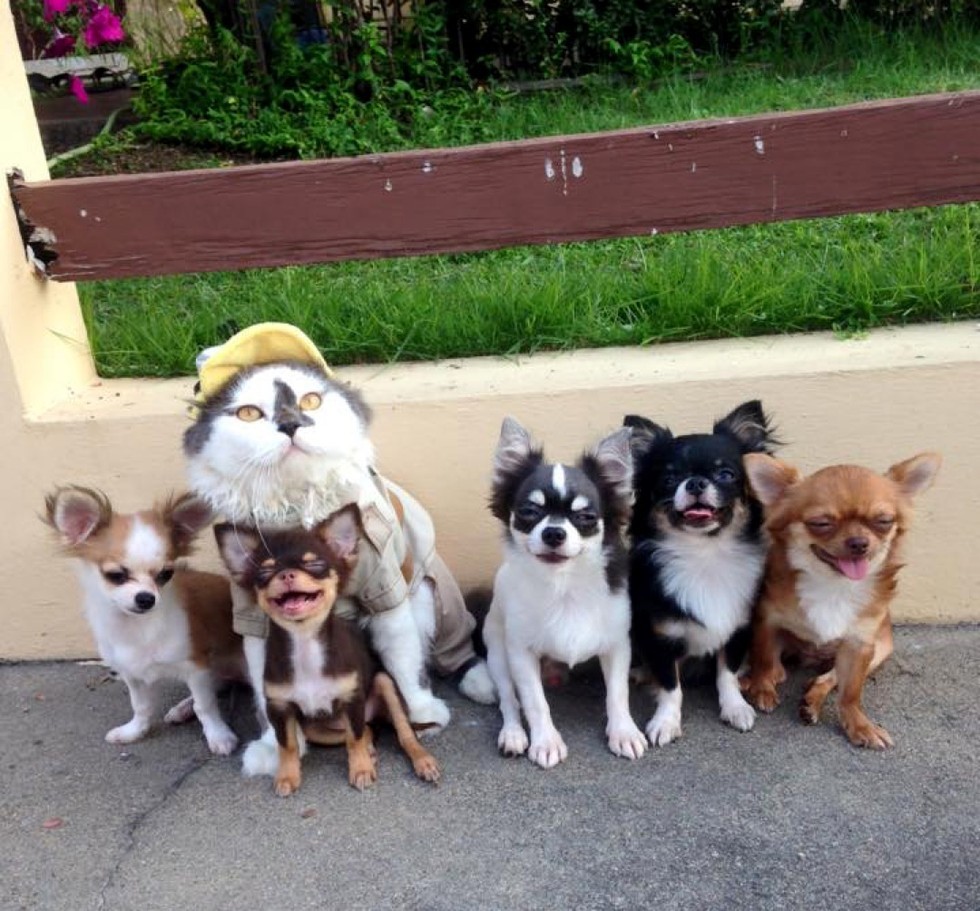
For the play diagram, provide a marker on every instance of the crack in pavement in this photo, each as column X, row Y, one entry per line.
column 137, row 822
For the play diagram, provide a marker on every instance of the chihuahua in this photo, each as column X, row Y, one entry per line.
column 319, row 678
column 830, row 578
column 152, row 619
column 560, row 592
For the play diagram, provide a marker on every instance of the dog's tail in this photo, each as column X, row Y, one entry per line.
column 478, row 604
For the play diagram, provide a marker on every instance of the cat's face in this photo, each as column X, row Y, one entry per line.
column 276, row 425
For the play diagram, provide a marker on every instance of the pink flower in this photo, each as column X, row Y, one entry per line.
column 60, row 45
column 103, row 28
column 54, row 8
column 77, row 88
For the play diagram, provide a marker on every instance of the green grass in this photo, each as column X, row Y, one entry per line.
column 845, row 274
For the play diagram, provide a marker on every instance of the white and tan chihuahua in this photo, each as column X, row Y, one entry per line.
column 152, row 619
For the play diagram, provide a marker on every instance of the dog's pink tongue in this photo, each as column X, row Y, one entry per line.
column 698, row 513
column 853, row 569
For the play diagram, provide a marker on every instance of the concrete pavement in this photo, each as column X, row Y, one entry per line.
column 783, row 817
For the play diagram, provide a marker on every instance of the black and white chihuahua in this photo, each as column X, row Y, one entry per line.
column 560, row 591
column 697, row 557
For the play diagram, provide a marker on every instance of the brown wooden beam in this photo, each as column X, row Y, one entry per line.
column 706, row 174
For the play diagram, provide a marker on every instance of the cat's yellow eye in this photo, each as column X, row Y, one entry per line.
column 248, row 413
column 310, row 402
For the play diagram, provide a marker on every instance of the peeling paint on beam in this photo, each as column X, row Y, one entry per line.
column 704, row 174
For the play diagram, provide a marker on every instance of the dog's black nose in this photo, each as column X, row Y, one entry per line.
column 696, row 485
column 553, row 536
column 857, row 546
column 144, row 600
column 288, row 428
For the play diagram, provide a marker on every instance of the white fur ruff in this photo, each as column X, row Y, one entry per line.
column 714, row 579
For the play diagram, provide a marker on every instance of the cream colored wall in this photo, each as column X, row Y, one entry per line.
column 875, row 400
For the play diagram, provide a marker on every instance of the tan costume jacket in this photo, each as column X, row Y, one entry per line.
column 395, row 556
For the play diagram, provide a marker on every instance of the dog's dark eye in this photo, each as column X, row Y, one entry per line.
column 724, row 476
column 585, row 520
column 316, row 568
column 528, row 512
column 116, row 576
column 883, row 523
column 264, row 575
column 820, row 526
column 164, row 576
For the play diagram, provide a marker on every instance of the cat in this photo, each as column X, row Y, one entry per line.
column 283, row 444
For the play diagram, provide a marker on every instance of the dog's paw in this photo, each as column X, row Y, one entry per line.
column 808, row 713
column 128, row 733
column 362, row 775
column 181, row 713
column 548, row 751
column 738, row 713
column 663, row 729
column 429, row 715
column 477, row 685
column 626, row 740
column 221, row 741
column 260, row 758
column 427, row 768
column 762, row 694
column 863, row 732
column 512, row 740
column 284, row 785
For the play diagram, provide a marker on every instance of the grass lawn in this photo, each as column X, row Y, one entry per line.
column 847, row 274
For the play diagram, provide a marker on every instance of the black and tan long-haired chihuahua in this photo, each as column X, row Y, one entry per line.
column 319, row 675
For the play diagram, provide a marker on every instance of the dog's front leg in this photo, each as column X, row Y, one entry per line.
column 547, row 748
column 734, row 709
column 141, row 699
column 396, row 639
column 622, row 734
column 221, row 739
column 852, row 666
column 512, row 740
column 766, row 670
column 282, row 716
column 665, row 725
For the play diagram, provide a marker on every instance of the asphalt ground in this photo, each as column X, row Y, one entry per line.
column 786, row 816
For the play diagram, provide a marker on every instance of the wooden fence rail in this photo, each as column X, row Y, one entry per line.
column 706, row 174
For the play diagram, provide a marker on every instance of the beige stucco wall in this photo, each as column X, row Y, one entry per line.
column 873, row 400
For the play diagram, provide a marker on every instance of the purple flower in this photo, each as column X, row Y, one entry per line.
column 77, row 88
column 54, row 8
column 103, row 28
column 60, row 45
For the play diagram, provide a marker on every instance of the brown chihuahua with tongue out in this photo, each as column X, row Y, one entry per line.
column 830, row 578
column 319, row 674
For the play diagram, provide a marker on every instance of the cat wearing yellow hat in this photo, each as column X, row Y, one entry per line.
column 278, row 442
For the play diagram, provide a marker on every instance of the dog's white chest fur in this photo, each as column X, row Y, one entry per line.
column 567, row 613
column 148, row 647
column 830, row 603
column 311, row 690
column 714, row 579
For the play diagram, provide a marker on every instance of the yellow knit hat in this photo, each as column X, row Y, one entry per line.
column 263, row 343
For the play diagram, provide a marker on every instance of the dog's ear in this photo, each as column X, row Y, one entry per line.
column 185, row 515
column 613, row 460
column 916, row 474
column 645, row 434
column 514, row 448
column 769, row 478
column 76, row 513
column 341, row 533
column 750, row 425
column 236, row 546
